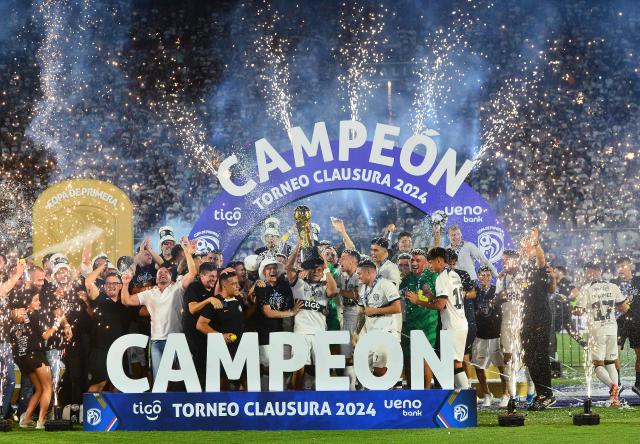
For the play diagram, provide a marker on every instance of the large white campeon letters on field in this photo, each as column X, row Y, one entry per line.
column 248, row 357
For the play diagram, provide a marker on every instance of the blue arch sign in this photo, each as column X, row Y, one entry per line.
column 251, row 194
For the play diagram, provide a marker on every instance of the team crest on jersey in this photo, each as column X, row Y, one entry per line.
column 491, row 242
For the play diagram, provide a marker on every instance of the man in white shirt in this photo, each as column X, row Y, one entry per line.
column 380, row 310
column 380, row 256
column 600, row 300
column 468, row 253
column 164, row 302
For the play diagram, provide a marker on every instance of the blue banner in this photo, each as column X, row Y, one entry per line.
column 359, row 410
column 226, row 222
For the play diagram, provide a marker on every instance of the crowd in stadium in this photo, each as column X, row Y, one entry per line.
column 572, row 162
column 588, row 91
column 60, row 319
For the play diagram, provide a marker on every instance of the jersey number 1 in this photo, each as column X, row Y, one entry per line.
column 457, row 293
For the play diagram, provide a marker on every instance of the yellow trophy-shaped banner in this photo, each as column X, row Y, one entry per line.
column 71, row 213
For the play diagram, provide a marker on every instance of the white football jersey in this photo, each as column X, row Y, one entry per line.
column 311, row 318
column 599, row 299
column 448, row 284
column 346, row 282
column 510, row 308
column 382, row 294
column 390, row 272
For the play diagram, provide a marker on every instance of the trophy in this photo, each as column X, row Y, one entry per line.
column 439, row 218
column 390, row 229
column 424, row 231
column 308, row 252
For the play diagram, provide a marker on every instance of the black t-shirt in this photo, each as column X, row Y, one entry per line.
column 279, row 298
column 110, row 321
column 26, row 337
column 228, row 319
column 195, row 292
column 469, row 304
column 631, row 290
column 488, row 313
column 537, row 310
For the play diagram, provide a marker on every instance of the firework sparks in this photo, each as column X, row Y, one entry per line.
column 270, row 49
column 74, row 70
column 360, row 51
column 440, row 67
column 15, row 206
column 182, row 118
column 507, row 114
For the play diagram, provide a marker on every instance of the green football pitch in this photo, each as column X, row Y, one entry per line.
column 553, row 425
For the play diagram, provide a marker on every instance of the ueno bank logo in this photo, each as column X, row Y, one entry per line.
column 231, row 217
column 150, row 411
column 461, row 412
column 468, row 213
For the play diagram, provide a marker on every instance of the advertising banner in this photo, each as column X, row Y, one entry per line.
column 388, row 409
column 245, row 202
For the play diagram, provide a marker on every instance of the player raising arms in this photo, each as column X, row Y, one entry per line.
column 598, row 299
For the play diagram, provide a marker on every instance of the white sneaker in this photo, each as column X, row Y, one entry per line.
column 40, row 425
column 504, row 401
column 26, row 424
column 486, row 401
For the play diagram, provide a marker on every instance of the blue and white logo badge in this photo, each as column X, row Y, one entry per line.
column 461, row 413
column 491, row 242
column 207, row 241
column 94, row 417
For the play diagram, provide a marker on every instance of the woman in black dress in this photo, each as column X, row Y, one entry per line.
column 29, row 336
